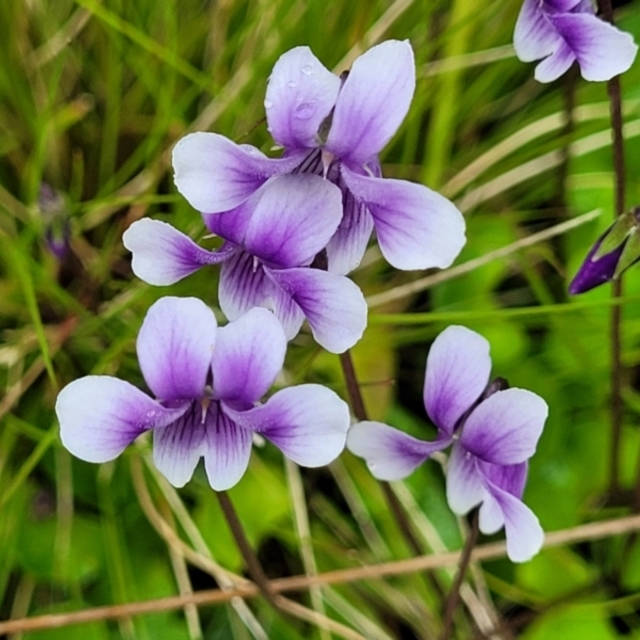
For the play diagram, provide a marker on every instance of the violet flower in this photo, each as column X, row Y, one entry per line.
column 265, row 261
column 207, row 382
column 334, row 129
column 493, row 431
column 564, row 31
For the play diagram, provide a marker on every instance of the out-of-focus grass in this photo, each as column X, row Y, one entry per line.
column 93, row 96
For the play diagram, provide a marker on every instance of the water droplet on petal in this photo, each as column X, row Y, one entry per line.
column 292, row 84
column 305, row 110
column 307, row 69
column 268, row 104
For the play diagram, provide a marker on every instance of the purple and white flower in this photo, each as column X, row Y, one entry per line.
column 207, row 382
column 335, row 129
column 563, row 31
column 493, row 430
column 265, row 261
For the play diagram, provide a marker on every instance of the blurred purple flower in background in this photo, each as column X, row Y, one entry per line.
column 53, row 210
column 564, row 31
column 207, row 381
column 493, row 430
column 265, row 261
column 335, row 129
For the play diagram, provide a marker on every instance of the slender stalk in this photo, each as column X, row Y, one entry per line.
column 454, row 594
column 253, row 564
column 615, row 101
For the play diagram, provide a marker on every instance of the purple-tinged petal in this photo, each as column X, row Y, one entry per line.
column 534, row 36
column 524, row 533
column 373, row 101
column 175, row 345
column 417, row 228
column 465, row 488
column 163, row 255
column 333, row 305
column 293, row 220
column 227, row 449
column 248, row 356
column 348, row 244
column 602, row 50
column 300, row 94
column 490, row 517
column 308, row 423
column 458, row 369
column 100, row 416
column 390, row 454
column 232, row 225
column 593, row 273
column 244, row 285
column 215, row 174
column 504, row 429
column 509, row 478
column 178, row 447
column 556, row 64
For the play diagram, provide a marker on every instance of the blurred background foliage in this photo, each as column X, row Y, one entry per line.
column 93, row 95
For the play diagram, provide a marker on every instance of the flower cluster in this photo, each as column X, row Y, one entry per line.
column 493, row 432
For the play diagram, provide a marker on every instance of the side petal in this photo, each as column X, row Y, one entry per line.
column 465, row 488
column 602, row 50
column 300, row 94
column 244, row 285
column 417, row 228
column 248, row 356
column 534, row 36
column 163, row 255
column 509, row 478
column 308, row 423
column 215, row 174
column 504, row 429
column 348, row 244
column 333, row 305
column 552, row 67
column 458, row 369
column 293, row 220
column 373, row 101
column 390, row 454
column 100, row 416
column 175, row 345
column 178, row 447
column 524, row 533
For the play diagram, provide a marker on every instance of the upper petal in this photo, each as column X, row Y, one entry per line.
column 308, row 423
column 244, row 285
column 175, row 345
column 389, row 453
column 373, row 101
column 504, row 429
column 100, row 416
column 248, row 356
column 534, row 36
column 417, row 228
column 293, row 220
column 602, row 50
column 163, row 255
column 333, row 305
column 458, row 369
column 300, row 94
column 227, row 450
column 215, row 174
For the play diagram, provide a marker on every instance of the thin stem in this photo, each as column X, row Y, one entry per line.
column 253, row 564
column 454, row 594
column 615, row 101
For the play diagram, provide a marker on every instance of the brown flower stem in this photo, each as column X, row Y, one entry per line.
column 454, row 595
column 253, row 564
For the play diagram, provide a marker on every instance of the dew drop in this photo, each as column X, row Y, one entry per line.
column 307, row 69
column 292, row 84
column 268, row 104
column 305, row 110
